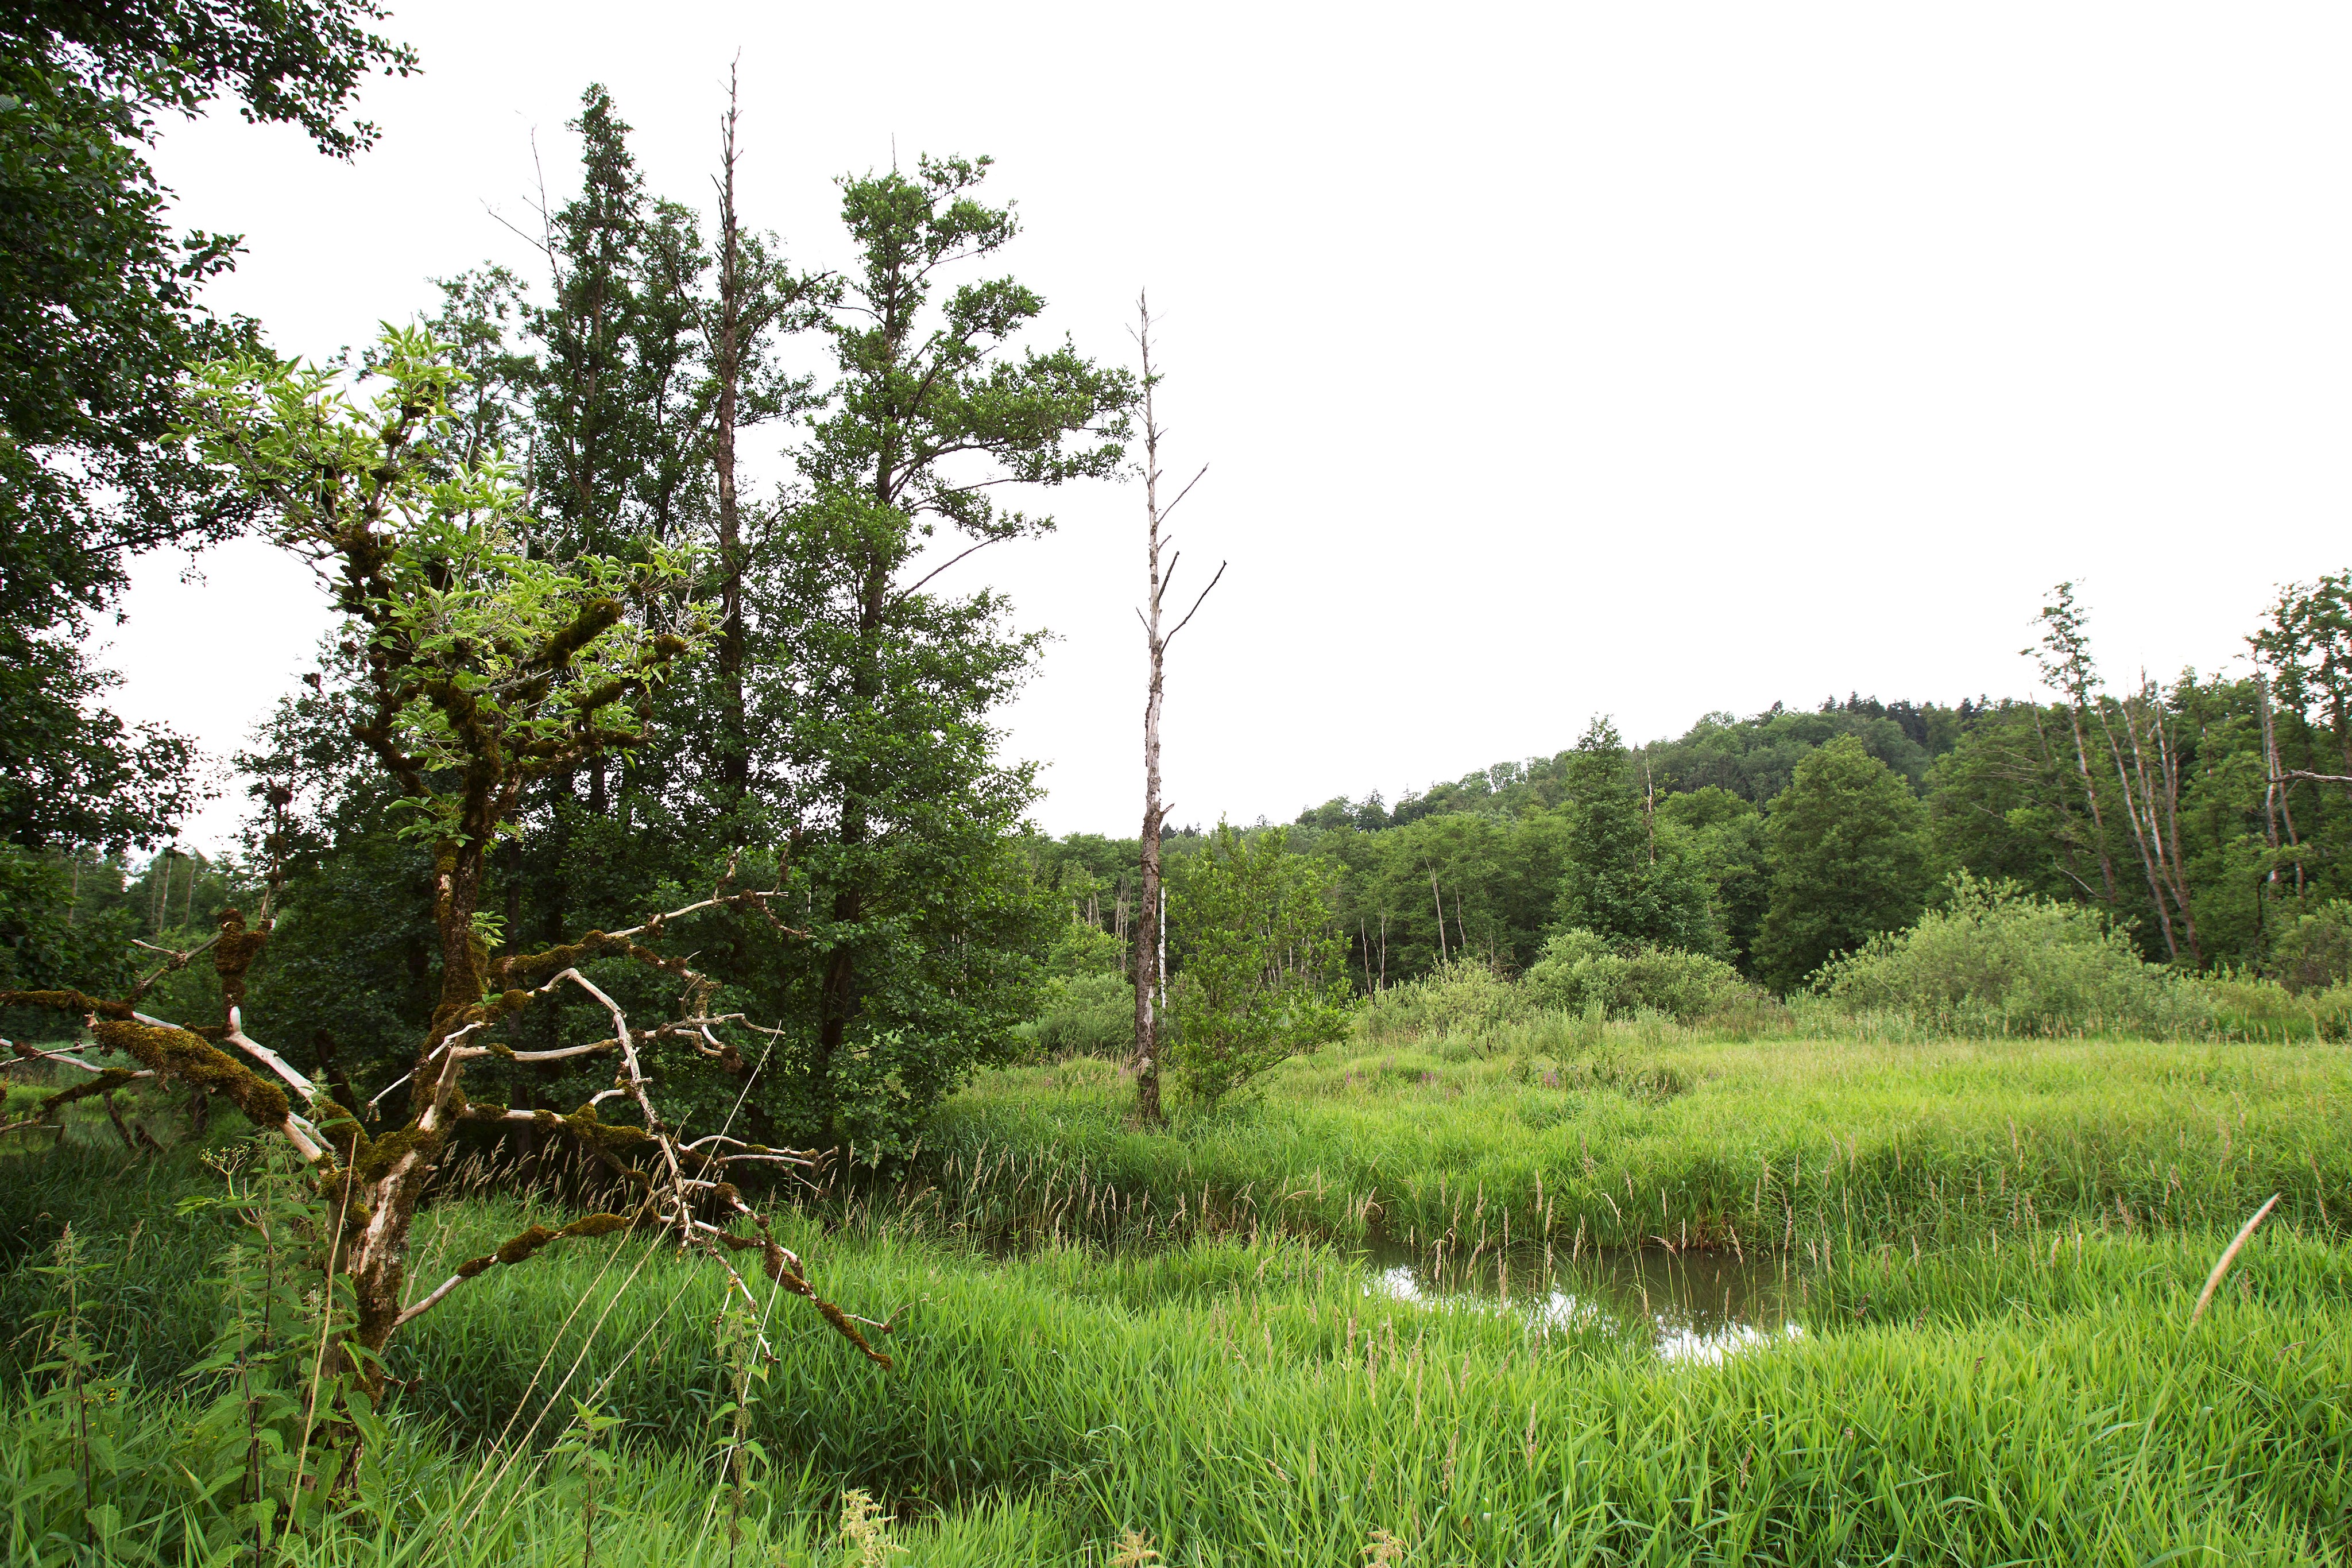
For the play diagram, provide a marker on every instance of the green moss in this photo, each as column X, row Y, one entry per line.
column 521, row 1247
column 65, row 1002
column 597, row 1224
column 175, row 1053
column 386, row 1151
column 233, row 954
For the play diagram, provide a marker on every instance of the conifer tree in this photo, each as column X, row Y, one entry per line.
column 1618, row 880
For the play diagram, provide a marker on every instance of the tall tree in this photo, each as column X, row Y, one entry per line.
column 2307, row 644
column 1616, row 883
column 930, row 416
column 100, row 313
column 1147, row 953
column 2064, row 657
column 1848, row 862
column 757, row 294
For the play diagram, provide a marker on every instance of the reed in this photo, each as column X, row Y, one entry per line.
column 1244, row 1404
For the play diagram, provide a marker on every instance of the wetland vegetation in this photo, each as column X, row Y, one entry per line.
column 1820, row 1301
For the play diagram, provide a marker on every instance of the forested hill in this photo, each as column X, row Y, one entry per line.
column 1753, row 758
column 2205, row 816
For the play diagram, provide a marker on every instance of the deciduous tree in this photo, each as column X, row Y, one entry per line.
column 1847, row 862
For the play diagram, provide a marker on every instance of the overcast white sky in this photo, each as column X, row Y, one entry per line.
column 1553, row 359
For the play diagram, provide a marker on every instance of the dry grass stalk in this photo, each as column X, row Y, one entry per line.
column 2213, row 1281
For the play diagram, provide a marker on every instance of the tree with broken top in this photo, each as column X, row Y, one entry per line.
column 484, row 666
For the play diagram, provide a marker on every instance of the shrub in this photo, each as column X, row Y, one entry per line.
column 2255, row 1007
column 1258, row 975
column 1461, row 997
column 1086, row 1015
column 2000, row 961
column 1580, row 970
column 2315, row 952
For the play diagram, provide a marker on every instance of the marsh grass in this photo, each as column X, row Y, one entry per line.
column 1653, row 1136
column 1106, row 1335
column 1241, row 1403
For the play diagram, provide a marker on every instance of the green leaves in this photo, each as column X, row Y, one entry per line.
column 1259, row 961
column 482, row 653
column 1848, row 860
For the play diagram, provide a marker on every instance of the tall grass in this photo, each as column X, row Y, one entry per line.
column 1655, row 1135
column 1992, row 1249
column 2044, row 1400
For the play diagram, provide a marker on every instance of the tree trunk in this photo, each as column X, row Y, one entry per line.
column 734, row 740
column 1147, row 950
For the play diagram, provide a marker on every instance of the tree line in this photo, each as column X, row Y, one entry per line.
column 2205, row 815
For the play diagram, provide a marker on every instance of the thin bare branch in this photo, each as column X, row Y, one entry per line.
column 910, row 591
column 1196, row 605
column 1170, row 509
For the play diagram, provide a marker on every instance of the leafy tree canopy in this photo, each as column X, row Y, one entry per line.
column 1847, row 858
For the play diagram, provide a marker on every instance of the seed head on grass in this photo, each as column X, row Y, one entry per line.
column 1381, row 1549
column 1135, row 1551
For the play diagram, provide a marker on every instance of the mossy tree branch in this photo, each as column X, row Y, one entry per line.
column 483, row 668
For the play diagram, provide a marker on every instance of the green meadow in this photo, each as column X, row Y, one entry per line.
column 1966, row 1330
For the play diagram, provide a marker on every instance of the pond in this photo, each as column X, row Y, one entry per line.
column 1692, row 1306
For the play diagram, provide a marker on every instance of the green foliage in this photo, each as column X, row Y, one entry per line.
column 435, row 564
column 1464, row 995
column 2316, row 951
column 1581, row 969
column 1259, row 977
column 71, row 1415
column 1616, row 877
column 1847, row 862
column 49, row 938
column 2308, row 645
column 1724, row 837
column 873, row 688
column 1996, row 960
column 1086, row 1015
column 100, row 313
column 263, row 1401
column 2247, row 1006
column 583, row 1463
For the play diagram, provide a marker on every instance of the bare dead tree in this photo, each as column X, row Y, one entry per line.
column 1150, row 956
column 2150, row 787
column 756, row 296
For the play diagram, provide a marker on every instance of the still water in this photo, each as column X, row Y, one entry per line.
column 1693, row 1307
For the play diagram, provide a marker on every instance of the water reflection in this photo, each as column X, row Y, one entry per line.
column 1694, row 1306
